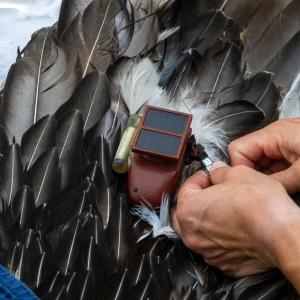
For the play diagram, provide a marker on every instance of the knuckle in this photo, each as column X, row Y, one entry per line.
column 191, row 242
column 183, row 194
column 233, row 146
column 183, row 215
column 236, row 172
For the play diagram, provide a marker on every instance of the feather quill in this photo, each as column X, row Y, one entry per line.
column 44, row 175
column 146, row 29
column 37, row 140
column 108, row 130
column 69, row 142
column 118, row 235
column 11, row 173
column 91, row 98
column 106, row 190
column 91, row 35
column 23, row 206
column 105, row 202
column 68, row 12
column 37, row 84
column 204, row 31
column 279, row 19
column 124, row 28
column 290, row 107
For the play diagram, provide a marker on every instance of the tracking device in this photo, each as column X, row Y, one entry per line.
column 158, row 154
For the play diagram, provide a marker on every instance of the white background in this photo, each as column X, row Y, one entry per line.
column 18, row 20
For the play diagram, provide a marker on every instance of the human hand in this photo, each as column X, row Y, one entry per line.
column 244, row 224
column 274, row 150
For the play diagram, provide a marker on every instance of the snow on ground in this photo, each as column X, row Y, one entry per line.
column 18, row 20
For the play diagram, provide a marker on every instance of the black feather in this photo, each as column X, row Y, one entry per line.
column 145, row 35
column 11, row 173
column 65, row 225
column 37, row 84
column 286, row 65
column 91, row 35
column 37, row 140
column 44, row 177
column 204, row 31
column 124, row 26
column 4, row 143
column 212, row 74
column 257, row 107
column 273, row 26
column 91, row 98
column 68, row 12
column 118, row 234
column 69, row 140
column 23, row 206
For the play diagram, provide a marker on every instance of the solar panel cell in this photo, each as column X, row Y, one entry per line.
column 158, row 142
column 166, row 121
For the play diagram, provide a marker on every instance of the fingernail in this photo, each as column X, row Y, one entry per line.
column 218, row 164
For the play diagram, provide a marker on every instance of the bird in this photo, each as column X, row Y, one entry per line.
column 67, row 227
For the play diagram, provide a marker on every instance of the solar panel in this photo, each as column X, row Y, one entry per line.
column 162, row 133
column 158, row 142
column 166, row 121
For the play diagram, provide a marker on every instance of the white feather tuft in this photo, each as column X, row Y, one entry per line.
column 210, row 135
column 290, row 107
column 160, row 224
column 139, row 84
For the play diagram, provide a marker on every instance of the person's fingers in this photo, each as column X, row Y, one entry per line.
column 218, row 172
column 228, row 257
column 264, row 163
column 246, row 267
column 275, row 167
column 290, row 178
column 174, row 222
column 254, row 147
column 248, row 149
column 199, row 180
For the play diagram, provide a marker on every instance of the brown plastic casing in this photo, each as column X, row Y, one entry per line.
column 151, row 174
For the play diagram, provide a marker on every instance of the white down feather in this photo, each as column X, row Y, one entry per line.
column 139, row 86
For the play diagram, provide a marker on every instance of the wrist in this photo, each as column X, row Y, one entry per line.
column 285, row 247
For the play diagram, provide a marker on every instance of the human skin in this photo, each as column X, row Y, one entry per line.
column 241, row 219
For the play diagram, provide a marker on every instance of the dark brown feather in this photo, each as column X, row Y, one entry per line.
column 38, row 83
column 271, row 28
column 68, row 11
column 91, row 35
column 91, row 98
